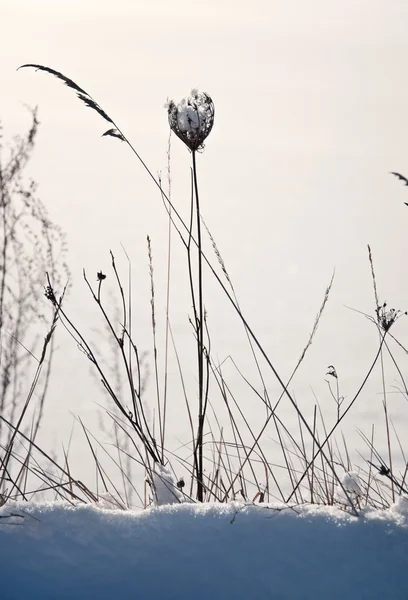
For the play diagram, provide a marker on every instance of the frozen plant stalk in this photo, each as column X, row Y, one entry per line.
column 192, row 120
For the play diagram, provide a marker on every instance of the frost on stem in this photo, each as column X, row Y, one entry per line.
column 192, row 119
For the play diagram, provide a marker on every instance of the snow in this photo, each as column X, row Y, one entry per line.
column 192, row 112
column 350, row 482
column 58, row 551
column 165, row 486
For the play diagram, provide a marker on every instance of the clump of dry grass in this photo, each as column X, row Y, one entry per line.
column 226, row 457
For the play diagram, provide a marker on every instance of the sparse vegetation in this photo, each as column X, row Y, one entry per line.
column 227, row 457
column 30, row 244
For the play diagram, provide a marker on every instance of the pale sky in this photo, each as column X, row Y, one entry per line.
column 311, row 116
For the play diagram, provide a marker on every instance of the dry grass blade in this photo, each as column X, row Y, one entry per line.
column 114, row 133
column 317, row 320
column 401, row 177
column 370, row 258
column 82, row 94
column 100, row 470
column 92, row 104
column 218, row 254
column 63, row 78
column 155, row 354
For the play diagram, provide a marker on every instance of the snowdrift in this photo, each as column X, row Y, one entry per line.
column 56, row 551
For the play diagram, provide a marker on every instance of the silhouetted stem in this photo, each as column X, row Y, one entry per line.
column 200, row 346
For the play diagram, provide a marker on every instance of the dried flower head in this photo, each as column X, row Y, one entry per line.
column 386, row 317
column 192, row 119
column 332, row 371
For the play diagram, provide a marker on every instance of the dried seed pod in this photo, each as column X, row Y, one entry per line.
column 192, row 119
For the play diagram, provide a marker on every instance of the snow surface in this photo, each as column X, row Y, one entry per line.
column 56, row 551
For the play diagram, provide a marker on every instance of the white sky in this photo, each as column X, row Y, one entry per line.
column 311, row 115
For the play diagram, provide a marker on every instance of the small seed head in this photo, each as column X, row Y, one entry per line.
column 387, row 317
column 332, row 371
column 49, row 294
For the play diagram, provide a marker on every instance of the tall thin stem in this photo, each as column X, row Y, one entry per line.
column 387, row 425
column 200, row 345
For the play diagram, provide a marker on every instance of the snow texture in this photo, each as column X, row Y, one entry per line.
column 61, row 552
column 351, row 483
column 165, row 486
column 191, row 112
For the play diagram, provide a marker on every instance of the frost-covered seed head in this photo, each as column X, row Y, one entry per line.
column 192, row 119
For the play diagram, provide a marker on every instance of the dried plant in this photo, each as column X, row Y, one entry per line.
column 226, row 456
column 192, row 119
column 30, row 244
